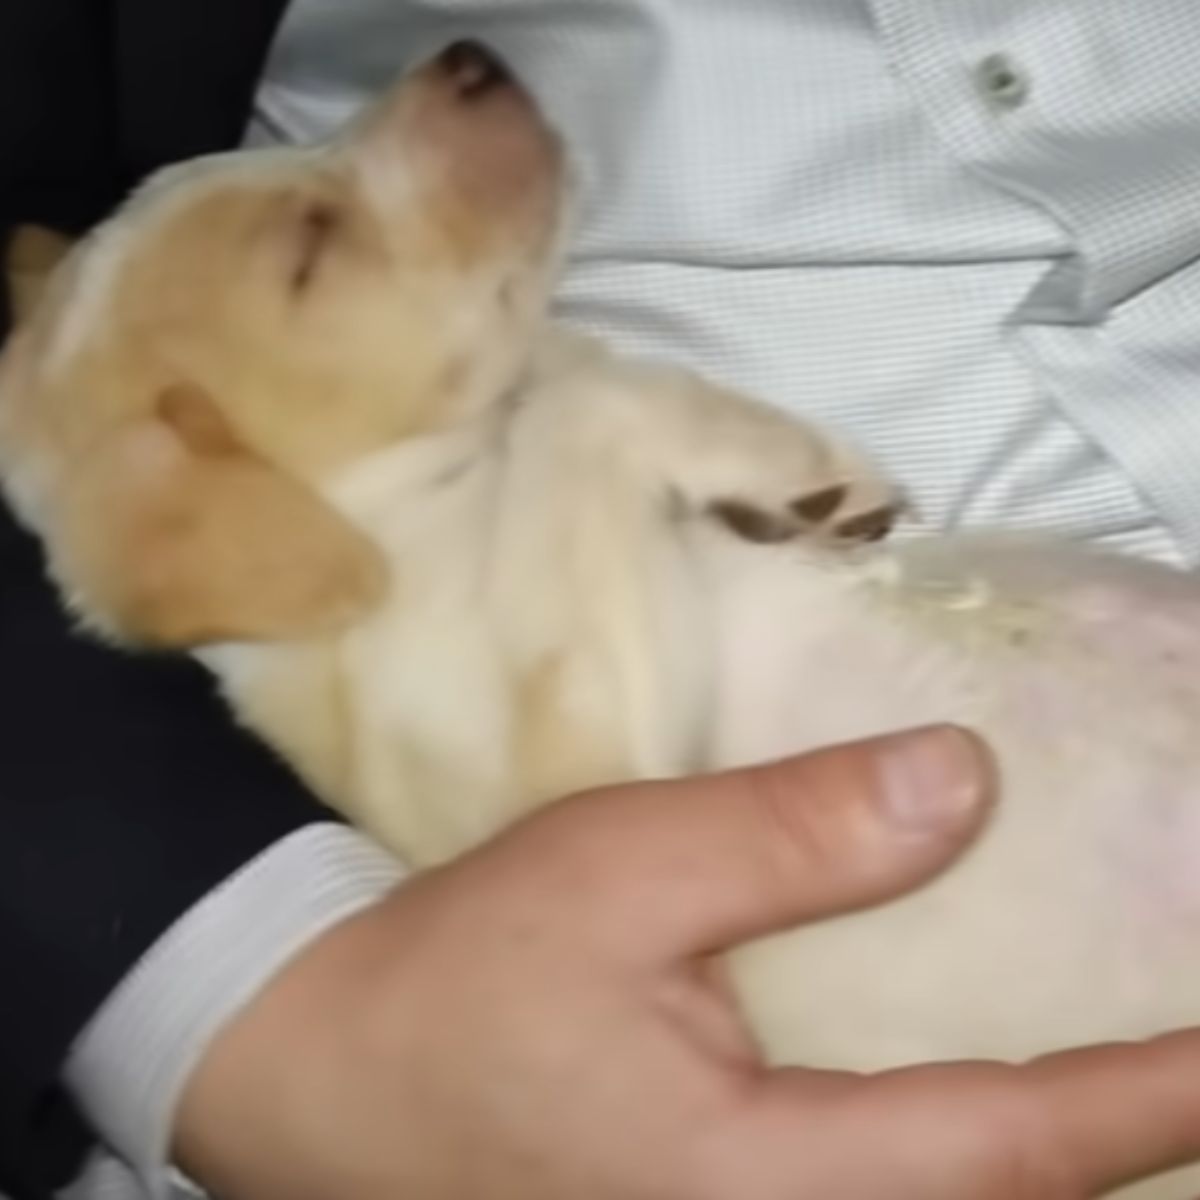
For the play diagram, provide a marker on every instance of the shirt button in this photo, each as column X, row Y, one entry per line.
column 1001, row 82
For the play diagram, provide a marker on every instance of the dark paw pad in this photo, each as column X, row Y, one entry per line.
column 820, row 506
column 754, row 524
column 871, row 526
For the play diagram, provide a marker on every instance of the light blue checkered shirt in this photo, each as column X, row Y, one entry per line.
column 966, row 231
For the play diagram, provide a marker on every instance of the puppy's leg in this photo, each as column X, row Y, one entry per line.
column 767, row 475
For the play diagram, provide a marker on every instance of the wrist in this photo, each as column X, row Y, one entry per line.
column 130, row 1064
column 257, row 1113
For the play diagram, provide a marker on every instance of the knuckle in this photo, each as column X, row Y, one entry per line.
column 1020, row 1155
column 574, row 848
column 794, row 833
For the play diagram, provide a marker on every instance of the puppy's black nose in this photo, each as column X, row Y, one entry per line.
column 473, row 69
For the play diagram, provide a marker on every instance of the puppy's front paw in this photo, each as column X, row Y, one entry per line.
column 821, row 514
column 805, row 486
column 765, row 475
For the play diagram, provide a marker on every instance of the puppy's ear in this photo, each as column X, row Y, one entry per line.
column 171, row 533
column 32, row 255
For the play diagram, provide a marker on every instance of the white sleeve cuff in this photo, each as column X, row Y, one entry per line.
column 130, row 1065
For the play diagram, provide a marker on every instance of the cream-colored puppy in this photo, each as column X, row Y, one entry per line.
column 301, row 412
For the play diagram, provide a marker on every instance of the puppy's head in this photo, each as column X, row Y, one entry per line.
column 250, row 324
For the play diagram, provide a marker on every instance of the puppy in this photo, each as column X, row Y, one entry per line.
column 301, row 412
column 31, row 256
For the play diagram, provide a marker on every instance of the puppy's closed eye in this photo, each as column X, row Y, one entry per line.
column 319, row 224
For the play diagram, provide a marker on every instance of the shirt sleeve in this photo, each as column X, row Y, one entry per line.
column 129, row 1067
column 127, row 794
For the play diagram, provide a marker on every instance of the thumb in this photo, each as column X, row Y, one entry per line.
column 700, row 865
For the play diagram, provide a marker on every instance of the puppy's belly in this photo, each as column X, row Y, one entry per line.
column 1077, row 916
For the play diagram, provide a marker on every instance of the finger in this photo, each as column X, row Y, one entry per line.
column 696, row 866
column 1123, row 1112
column 1066, row 1126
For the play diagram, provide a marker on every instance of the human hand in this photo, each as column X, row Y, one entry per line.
column 544, row 1020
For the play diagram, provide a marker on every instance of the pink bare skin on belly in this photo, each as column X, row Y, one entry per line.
column 1077, row 916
